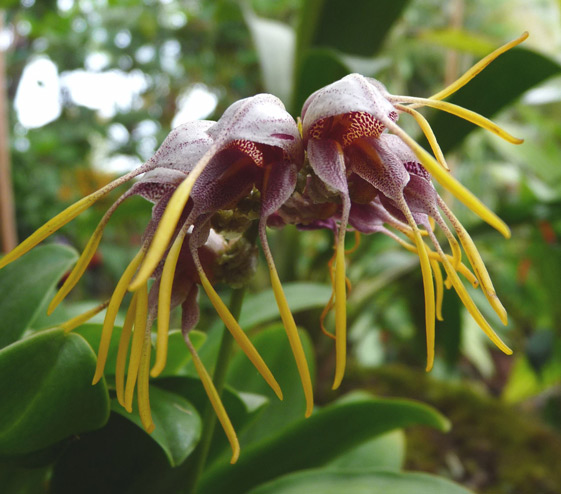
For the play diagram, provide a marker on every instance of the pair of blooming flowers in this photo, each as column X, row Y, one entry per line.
column 348, row 165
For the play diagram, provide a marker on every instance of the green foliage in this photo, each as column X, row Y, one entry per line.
column 178, row 426
column 360, row 483
column 316, row 441
column 56, row 435
column 26, row 284
column 37, row 375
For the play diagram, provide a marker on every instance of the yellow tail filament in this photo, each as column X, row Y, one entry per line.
column 439, row 287
column 216, row 402
column 164, row 303
column 463, row 113
column 138, row 338
column 112, row 309
column 289, row 325
column 450, row 183
column 477, row 68
column 123, row 351
column 169, row 220
column 236, row 331
column 477, row 264
column 144, row 385
column 85, row 258
column 424, row 125
column 462, row 268
column 82, row 318
column 66, row 216
column 468, row 302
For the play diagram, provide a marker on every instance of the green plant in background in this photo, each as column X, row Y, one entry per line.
column 346, row 445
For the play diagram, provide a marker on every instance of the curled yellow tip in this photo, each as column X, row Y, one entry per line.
column 340, row 313
column 164, row 303
column 111, row 314
column 478, row 67
column 238, row 334
column 216, row 403
column 141, row 333
column 450, row 183
column 123, row 350
column 439, row 288
column 144, row 386
column 82, row 318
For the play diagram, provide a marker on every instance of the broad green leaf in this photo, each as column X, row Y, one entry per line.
column 120, row 458
column 316, row 441
column 358, row 28
column 262, row 308
column 45, row 384
column 178, row 425
column 26, row 283
column 366, row 482
column 272, row 344
column 493, row 89
column 274, row 42
column 386, row 452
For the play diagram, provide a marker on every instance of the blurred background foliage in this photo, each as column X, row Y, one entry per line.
column 118, row 74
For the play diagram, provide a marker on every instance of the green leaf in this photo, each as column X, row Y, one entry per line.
column 357, row 27
column 117, row 459
column 272, row 344
column 274, row 42
column 386, row 452
column 493, row 89
column 26, row 283
column 178, row 425
column 45, row 384
column 316, row 441
column 262, row 308
column 368, row 482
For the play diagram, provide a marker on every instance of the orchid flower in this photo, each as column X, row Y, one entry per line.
column 255, row 145
column 201, row 168
column 345, row 127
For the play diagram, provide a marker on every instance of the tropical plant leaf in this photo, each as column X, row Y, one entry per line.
column 47, row 395
column 315, row 441
column 26, row 283
column 366, row 482
column 177, row 423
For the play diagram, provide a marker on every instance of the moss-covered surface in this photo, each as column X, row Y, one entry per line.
column 493, row 448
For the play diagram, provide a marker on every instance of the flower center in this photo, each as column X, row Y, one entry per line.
column 346, row 128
